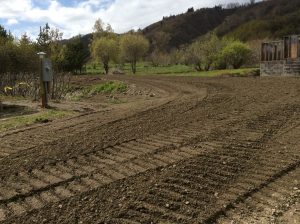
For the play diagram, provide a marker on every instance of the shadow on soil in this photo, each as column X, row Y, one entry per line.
column 15, row 110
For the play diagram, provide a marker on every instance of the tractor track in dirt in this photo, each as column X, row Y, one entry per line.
column 208, row 151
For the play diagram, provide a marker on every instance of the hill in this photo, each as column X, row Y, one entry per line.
column 178, row 30
column 267, row 19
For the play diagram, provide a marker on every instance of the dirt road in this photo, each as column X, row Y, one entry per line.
column 203, row 150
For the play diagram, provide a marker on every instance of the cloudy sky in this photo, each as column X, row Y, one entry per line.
column 74, row 17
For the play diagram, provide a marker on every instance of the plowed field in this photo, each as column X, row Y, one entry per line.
column 203, row 150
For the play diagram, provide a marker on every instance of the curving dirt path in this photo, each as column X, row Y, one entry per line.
column 204, row 150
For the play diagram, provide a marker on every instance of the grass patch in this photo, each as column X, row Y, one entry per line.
column 108, row 87
column 40, row 117
column 103, row 88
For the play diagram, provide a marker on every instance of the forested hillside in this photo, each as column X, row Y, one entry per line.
column 270, row 19
column 174, row 31
column 267, row 19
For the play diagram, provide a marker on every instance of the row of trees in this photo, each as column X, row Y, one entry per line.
column 209, row 52
column 19, row 55
column 206, row 53
column 107, row 47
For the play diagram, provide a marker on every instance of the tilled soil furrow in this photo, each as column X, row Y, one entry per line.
column 222, row 160
column 256, row 193
column 269, row 203
column 84, row 173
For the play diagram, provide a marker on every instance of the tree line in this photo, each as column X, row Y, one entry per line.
column 108, row 47
column 19, row 63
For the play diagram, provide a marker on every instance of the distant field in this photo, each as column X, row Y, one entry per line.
column 177, row 70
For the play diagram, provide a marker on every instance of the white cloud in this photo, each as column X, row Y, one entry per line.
column 12, row 22
column 123, row 15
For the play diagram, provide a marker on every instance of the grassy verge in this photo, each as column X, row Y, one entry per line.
column 40, row 117
column 145, row 68
column 237, row 72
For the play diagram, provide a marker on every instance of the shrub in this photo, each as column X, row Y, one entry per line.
column 236, row 54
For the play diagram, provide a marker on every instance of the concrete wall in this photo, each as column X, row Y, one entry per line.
column 280, row 68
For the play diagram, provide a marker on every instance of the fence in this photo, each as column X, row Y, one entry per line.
column 28, row 85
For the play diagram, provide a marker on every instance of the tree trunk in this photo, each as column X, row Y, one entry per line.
column 198, row 67
column 105, row 65
column 133, row 67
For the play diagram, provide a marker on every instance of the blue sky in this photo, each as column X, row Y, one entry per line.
column 75, row 17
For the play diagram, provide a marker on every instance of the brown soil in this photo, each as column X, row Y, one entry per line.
column 202, row 150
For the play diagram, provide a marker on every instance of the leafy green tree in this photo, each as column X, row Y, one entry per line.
column 203, row 52
column 44, row 39
column 73, row 56
column 105, row 50
column 133, row 48
column 49, row 40
column 28, row 61
column 3, row 32
column 5, row 35
column 236, row 54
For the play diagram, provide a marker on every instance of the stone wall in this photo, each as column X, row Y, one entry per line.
column 272, row 68
column 292, row 68
column 280, row 68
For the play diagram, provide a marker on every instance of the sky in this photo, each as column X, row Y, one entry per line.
column 73, row 17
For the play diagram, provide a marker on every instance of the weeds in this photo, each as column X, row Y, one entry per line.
column 103, row 88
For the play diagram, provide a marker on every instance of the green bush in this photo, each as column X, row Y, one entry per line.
column 235, row 54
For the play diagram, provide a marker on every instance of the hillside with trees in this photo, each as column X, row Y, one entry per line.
column 267, row 19
column 174, row 31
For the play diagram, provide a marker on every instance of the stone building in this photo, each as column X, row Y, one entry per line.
column 281, row 58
